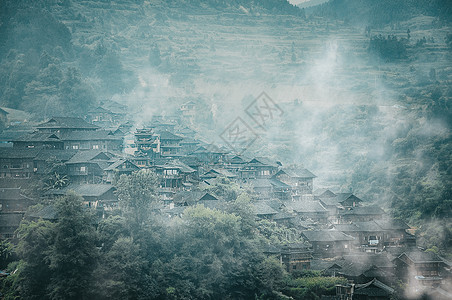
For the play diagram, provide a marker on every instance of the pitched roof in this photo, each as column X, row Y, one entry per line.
column 48, row 212
column 119, row 162
column 307, row 207
column 326, row 236
column 208, row 197
column 364, row 210
column 373, row 288
column 38, row 137
column 61, row 155
column 166, row 135
column 418, row 256
column 90, row 136
column 341, row 197
column 324, row 193
column 84, row 190
column 90, row 156
column 370, row 226
column 261, row 208
column 267, row 183
column 18, row 153
column 221, row 172
column 263, row 161
column 66, row 123
column 176, row 164
column 297, row 172
column 392, row 224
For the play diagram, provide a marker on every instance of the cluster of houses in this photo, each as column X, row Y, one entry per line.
column 344, row 235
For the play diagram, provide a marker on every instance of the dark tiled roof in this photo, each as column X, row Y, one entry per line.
column 18, row 153
column 99, row 109
column 263, row 161
column 84, row 190
column 61, row 155
column 90, row 155
column 341, row 197
column 263, row 209
column 119, row 162
column 90, row 136
column 47, row 213
column 38, row 137
column 221, row 172
column 208, row 197
column 67, row 123
column 370, row 226
column 177, row 164
column 166, row 135
column 373, row 288
column 326, row 236
column 307, row 206
column 418, row 256
column 364, row 210
column 297, row 173
column 392, row 224
column 279, row 184
column 323, row 192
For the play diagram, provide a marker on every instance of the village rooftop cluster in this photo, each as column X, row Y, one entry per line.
column 342, row 233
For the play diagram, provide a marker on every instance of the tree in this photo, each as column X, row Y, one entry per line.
column 137, row 194
column 34, row 273
column 73, row 255
column 122, row 272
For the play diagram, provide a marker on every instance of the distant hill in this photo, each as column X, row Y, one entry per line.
column 383, row 11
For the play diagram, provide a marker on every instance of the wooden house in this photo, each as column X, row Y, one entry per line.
column 313, row 210
column 12, row 200
column 259, row 167
column 65, row 124
column 368, row 235
column 89, row 166
column 175, row 174
column 301, row 180
column 328, row 243
column 418, row 268
column 17, row 164
column 360, row 214
column 118, row 168
column 101, row 197
column 169, row 144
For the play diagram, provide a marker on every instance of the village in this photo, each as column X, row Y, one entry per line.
column 343, row 234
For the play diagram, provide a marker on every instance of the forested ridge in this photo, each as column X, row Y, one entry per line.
column 366, row 91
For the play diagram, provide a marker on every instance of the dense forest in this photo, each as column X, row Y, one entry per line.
column 366, row 91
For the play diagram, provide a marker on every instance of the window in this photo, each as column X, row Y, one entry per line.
column 82, row 169
column 95, row 146
column 75, row 147
column 294, row 267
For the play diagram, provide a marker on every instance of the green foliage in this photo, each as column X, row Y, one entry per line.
column 312, row 287
column 34, row 248
column 389, row 48
column 120, row 273
column 224, row 188
column 276, row 234
column 137, row 194
column 73, row 254
column 6, row 254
